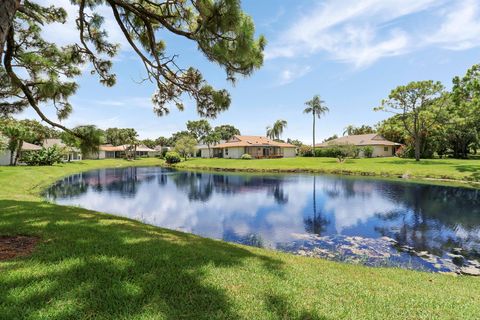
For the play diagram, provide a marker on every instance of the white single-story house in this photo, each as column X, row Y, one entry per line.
column 256, row 146
column 381, row 146
column 70, row 153
column 108, row 151
column 26, row 147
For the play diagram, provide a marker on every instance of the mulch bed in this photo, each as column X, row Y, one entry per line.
column 16, row 246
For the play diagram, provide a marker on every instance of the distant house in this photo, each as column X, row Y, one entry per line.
column 381, row 146
column 256, row 146
column 108, row 151
column 26, row 147
column 70, row 153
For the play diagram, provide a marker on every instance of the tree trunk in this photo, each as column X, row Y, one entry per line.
column 7, row 13
column 12, row 156
column 19, row 150
column 417, row 148
column 313, row 146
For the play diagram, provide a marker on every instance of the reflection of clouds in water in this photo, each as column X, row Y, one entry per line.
column 244, row 213
column 352, row 202
column 270, row 209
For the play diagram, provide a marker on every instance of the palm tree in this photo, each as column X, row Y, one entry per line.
column 317, row 108
column 274, row 132
column 349, row 130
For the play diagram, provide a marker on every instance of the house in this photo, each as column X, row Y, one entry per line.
column 108, row 151
column 70, row 153
column 381, row 146
column 26, row 147
column 256, row 146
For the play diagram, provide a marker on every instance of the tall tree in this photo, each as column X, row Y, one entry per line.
column 349, row 130
column 211, row 139
column 419, row 105
column 226, row 131
column 185, row 146
column 16, row 134
column 317, row 108
column 275, row 131
column 36, row 72
column 92, row 138
column 199, row 129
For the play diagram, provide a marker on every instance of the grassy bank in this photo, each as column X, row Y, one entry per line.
column 450, row 169
column 95, row 266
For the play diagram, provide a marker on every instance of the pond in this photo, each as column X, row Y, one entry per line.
column 362, row 220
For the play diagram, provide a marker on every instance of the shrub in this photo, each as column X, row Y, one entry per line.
column 305, row 151
column 172, row 157
column 43, row 157
column 368, row 151
column 246, row 156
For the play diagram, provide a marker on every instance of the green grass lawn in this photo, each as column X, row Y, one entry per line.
column 465, row 170
column 91, row 265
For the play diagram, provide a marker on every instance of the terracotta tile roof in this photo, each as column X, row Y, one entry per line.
column 253, row 141
column 371, row 139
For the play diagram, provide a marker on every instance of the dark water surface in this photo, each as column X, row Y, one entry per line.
column 375, row 222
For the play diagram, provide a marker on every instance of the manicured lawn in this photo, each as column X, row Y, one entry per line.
column 467, row 170
column 95, row 266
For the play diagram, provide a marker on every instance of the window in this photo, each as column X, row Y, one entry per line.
column 385, row 149
column 226, row 152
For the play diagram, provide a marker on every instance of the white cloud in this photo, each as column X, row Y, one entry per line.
column 293, row 72
column 461, row 27
column 362, row 32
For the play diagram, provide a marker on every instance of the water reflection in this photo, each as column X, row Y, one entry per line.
column 272, row 210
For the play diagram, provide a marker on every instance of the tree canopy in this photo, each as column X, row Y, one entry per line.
column 37, row 73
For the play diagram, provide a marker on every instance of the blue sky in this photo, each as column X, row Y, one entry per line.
column 350, row 52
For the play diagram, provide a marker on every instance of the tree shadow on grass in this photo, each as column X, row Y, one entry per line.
column 282, row 309
column 474, row 171
column 98, row 266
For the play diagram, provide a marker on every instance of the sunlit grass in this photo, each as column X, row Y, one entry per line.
column 453, row 169
column 90, row 265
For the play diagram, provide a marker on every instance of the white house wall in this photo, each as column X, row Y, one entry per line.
column 379, row 151
column 4, row 158
column 233, row 153
column 289, row 152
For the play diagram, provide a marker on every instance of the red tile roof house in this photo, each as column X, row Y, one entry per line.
column 381, row 146
column 107, row 151
column 256, row 146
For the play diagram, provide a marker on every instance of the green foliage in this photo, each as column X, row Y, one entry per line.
column 172, row 157
column 419, row 106
column 121, row 136
column 199, row 129
column 43, row 157
column 226, row 131
column 305, row 151
column 185, row 146
column 295, row 142
column 367, row 151
column 352, row 130
column 3, row 142
column 246, row 156
column 149, row 143
column 92, row 138
column 316, row 106
column 275, row 131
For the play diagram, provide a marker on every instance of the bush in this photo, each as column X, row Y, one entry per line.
column 172, row 157
column 246, row 156
column 43, row 157
column 368, row 151
column 305, row 151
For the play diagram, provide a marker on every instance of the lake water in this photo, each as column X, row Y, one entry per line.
column 370, row 221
